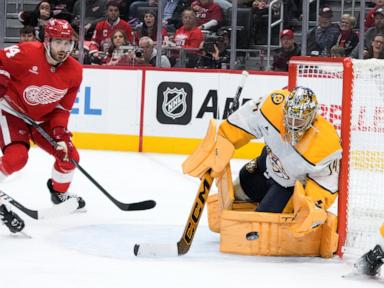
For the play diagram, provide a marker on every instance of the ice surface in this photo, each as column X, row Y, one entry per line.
column 95, row 249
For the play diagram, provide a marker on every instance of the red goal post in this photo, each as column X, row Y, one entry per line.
column 351, row 96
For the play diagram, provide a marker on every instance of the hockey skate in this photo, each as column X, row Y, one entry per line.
column 59, row 197
column 10, row 219
column 370, row 263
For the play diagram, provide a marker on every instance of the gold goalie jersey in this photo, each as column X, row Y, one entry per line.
column 314, row 160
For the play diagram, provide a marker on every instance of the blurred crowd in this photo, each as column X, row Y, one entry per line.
column 196, row 33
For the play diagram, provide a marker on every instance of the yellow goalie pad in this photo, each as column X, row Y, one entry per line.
column 214, row 153
column 244, row 231
column 307, row 215
column 382, row 230
column 268, row 234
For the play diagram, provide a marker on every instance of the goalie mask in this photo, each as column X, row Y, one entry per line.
column 58, row 40
column 300, row 111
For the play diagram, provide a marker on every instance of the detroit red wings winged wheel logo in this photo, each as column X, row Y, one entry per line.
column 35, row 95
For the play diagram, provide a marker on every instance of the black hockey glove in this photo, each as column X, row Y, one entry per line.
column 370, row 262
column 11, row 219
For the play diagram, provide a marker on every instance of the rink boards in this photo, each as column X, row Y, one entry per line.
column 163, row 111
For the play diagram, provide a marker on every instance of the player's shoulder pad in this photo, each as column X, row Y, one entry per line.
column 30, row 47
column 275, row 99
column 75, row 67
column 271, row 108
column 319, row 142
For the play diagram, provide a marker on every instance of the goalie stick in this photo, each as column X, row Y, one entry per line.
column 236, row 101
column 182, row 247
column 62, row 209
column 143, row 205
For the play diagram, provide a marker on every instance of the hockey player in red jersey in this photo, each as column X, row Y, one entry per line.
column 41, row 81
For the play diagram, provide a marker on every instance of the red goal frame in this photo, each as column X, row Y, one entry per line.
column 346, row 93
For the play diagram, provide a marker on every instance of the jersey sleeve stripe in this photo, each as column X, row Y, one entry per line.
column 5, row 73
column 302, row 156
column 240, row 128
column 266, row 118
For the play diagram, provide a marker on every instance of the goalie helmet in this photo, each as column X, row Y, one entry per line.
column 62, row 30
column 300, row 111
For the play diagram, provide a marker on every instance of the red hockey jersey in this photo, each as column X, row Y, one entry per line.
column 101, row 39
column 36, row 88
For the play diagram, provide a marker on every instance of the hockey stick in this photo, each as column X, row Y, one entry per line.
column 185, row 242
column 182, row 247
column 236, row 101
column 143, row 205
column 62, row 209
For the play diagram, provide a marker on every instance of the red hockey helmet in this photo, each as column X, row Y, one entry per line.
column 59, row 29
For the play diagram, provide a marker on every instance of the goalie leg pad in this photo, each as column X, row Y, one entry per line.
column 268, row 234
column 213, row 213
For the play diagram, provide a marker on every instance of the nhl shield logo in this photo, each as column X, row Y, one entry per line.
column 174, row 103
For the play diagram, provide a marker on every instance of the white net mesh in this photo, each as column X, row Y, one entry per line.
column 325, row 79
column 365, row 207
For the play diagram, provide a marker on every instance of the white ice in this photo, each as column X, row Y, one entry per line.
column 95, row 249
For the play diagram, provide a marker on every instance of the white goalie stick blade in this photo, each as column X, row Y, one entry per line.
column 67, row 207
column 155, row 250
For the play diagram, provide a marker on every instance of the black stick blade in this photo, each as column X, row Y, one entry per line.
column 143, row 205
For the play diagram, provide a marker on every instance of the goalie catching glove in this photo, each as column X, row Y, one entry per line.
column 64, row 148
column 308, row 215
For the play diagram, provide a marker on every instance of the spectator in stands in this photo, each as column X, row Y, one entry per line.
column 370, row 18
column 372, row 32
column 292, row 13
column 149, row 53
column 173, row 10
column 337, row 51
column 101, row 39
column 27, row 34
column 288, row 49
column 214, row 53
column 124, row 8
column 188, row 35
column 375, row 50
column 208, row 14
column 94, row 13
column 171, row 14
column 37, row 18
column 323, row 37
column 260, row 23
column 348, row 37
column 62, row 9
column 116, row 50
column 149, row 27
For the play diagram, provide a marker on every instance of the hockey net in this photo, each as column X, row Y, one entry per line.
column 351, row 96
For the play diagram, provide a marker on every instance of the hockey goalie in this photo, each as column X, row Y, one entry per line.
column 278, row 203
